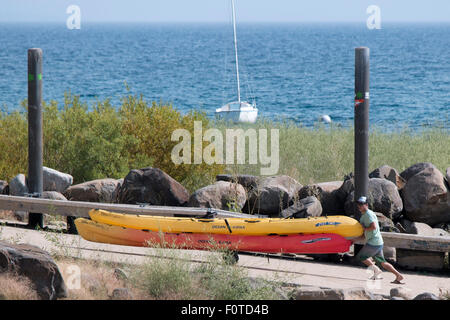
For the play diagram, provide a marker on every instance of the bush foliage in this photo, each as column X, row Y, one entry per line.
column 101, row 140
column 326, row 153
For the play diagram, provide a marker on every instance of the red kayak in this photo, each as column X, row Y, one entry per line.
column 293, row 243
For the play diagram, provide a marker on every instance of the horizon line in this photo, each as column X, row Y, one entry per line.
column 224, row 21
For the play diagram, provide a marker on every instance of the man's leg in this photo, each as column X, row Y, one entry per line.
column 389, row 267
column 364, row 255
column 372, row 266
column 368, row 262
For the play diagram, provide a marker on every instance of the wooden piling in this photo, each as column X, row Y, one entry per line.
column 35, row 135
column 361, row 122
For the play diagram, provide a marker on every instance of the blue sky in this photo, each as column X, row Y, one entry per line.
column 218, row 10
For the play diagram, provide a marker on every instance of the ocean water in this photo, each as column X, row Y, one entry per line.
column 293, row 71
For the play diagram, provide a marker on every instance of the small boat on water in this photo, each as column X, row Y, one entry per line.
column 237, row 111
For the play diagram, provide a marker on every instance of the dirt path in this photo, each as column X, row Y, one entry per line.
column 330, row 275
column 304, row 272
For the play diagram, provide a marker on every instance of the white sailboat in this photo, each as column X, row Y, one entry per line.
column 237, row 111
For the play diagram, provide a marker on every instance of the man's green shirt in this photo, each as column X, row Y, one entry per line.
column 373, row 237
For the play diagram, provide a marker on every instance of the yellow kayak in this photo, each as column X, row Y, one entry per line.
column 98, row 232
column 341, row 225
column 293, row 243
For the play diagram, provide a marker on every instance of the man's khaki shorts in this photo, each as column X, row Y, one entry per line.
column 370, row 251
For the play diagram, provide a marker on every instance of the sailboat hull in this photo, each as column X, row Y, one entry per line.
column 238, row 112
column 238, row 116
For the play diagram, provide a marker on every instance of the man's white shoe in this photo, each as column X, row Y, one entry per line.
column 376, row 273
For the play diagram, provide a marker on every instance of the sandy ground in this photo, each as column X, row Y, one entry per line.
column 303, row 271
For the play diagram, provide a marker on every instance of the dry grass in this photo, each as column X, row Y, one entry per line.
column 97, row 281
column 327, row 153
column 444, row 294
column 13, row 287
column 169, row 276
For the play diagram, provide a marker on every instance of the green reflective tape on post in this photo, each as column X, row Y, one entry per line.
column 31, row 77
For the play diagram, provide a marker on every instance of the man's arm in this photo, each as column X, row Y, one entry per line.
column 371, row 227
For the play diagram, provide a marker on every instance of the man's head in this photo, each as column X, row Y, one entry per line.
column 362, row 204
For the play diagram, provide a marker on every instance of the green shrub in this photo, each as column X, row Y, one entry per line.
column 165, row 276
column 223, row 281
column 149, row 129
column 320, row 154
column 172, row 274
column 85, row 143
column 101, row 140
column 13, row 144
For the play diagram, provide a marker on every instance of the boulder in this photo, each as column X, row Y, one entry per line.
column 120, row 274
column 330, row 186
column 426, row 197
column 273, row 194
column 247, row 181
column 35, row 264
column 408, row 173
column 220, row 195
column 152, row 186
column 389, row 173
column 386, row 224
column 54, row 180
column 400, row 292
column 116, row 193
column 383, row 196
column 346, row 188
column 121, row 294
column 53, row 195
column 303, row 208
column 4, row 188
column 316, row 293
column 18, row 185
column 426, row 296
column 416, row 228
column 101, row 190
column 327, row 194
column 399, row 226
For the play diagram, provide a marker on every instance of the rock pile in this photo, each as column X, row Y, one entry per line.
column 416, row 200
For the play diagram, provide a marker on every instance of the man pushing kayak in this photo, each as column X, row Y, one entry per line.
column 373, row 249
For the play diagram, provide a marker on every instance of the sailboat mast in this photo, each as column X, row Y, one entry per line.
column 236, row 53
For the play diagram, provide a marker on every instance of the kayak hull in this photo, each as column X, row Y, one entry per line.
column 341, row 225
column 294, row 243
